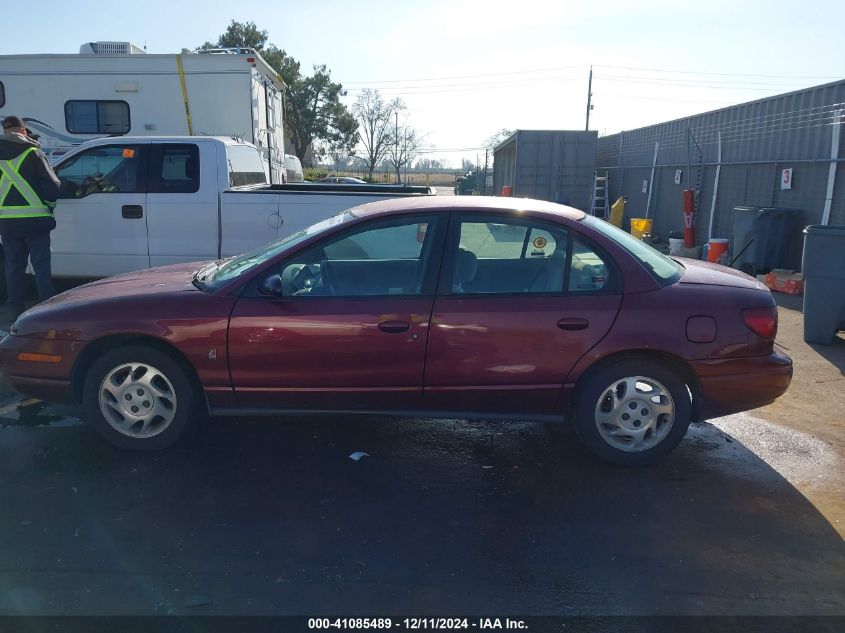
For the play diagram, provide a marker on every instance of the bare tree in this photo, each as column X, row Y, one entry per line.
column 497, row 138
column 405, row 148
column 375, row 128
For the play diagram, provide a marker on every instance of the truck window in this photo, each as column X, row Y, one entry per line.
column 102, row 169
column 174, row 168
column 97, row 117
column 245, row 166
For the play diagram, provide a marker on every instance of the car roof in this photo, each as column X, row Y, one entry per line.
column 401, row 206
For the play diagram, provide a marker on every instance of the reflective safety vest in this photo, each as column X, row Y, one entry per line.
column 10, row 178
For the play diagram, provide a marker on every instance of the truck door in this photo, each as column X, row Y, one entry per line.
column 182, row 203
column 101, row 223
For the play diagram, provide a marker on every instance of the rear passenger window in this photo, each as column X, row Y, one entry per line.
column 174, row 169
column 2, row 95
column 502, row 257
column 589, row 271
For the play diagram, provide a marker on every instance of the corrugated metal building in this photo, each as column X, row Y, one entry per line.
column 744, row 149
column 554, row 165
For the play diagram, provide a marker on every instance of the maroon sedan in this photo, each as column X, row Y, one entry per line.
column 449, row 307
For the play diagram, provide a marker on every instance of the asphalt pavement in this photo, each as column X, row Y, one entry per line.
column 272, row 516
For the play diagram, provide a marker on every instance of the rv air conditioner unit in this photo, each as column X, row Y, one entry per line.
column 110, row 48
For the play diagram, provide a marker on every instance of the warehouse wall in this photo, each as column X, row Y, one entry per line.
column 759, row 139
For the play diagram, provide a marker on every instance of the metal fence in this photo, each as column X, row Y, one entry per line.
column 782, row 151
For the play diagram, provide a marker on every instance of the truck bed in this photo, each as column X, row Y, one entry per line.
column 394, row 191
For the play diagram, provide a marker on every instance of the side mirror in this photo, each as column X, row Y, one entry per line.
column 271, row 286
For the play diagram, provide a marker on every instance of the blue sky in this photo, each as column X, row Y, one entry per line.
column 467, row 69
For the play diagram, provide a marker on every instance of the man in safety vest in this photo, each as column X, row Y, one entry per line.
column 28, row 192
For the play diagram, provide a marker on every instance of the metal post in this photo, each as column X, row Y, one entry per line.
column 651, row 181
column 397, row 146
column 589, row 99
column 485, row 170
column 834, row 155
column 715, row 186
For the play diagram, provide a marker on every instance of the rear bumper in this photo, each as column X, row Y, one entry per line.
column 732, row 385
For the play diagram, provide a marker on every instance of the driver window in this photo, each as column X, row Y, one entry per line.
column 104, row 169
column 381, row 260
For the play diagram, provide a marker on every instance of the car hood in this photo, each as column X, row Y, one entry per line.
column 707, row 273
column 150, row 281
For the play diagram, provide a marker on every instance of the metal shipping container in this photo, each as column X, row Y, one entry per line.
column 554, row 165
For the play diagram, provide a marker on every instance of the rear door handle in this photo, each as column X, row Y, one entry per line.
column 573, row 324
column 132, row 211
column 394, row 327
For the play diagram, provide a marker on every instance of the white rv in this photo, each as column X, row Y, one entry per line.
column 116, row 89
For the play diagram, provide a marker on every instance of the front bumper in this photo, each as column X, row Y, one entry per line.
column 733, row 385
column 44, row 380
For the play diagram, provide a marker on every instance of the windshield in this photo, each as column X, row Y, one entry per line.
column 236, row 266
column 665, row 269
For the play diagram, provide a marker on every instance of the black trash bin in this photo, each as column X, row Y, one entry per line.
column 824, row 282
column 770, row 237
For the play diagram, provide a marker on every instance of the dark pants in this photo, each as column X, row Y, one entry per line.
column 16, row 250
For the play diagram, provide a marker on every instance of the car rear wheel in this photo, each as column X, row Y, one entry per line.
column 632, row 412
column 140, row 398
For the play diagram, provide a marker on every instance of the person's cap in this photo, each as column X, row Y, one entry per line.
column 13, row 121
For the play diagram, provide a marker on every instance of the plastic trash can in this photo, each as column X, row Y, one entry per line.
column 824, row 282
column 766, row 238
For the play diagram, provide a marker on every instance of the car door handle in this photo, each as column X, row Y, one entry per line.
column 573, row 324
column 132, row 211
column 394, row 327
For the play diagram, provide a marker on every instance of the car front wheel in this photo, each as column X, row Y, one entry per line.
column 632, row 412
column 139, row 398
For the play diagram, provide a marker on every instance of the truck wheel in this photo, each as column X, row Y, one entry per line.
column 140, row 398
column 632, row 412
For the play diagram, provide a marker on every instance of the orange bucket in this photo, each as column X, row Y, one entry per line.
column 718, row 247
column 507, row 190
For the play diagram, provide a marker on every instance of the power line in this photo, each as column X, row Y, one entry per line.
column 444, row 78
column 695, row 72
column 584, row 67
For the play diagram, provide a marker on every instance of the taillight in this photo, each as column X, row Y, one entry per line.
column 762, row 321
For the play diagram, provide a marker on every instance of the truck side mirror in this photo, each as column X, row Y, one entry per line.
column 271, row 286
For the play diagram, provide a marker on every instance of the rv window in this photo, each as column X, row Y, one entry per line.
column 97, row 117
column 245, row 166
column 2, row 95
column 174, row 169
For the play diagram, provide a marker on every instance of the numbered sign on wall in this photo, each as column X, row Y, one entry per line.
column 678, row 174
column 786, row 179
column 645, row 186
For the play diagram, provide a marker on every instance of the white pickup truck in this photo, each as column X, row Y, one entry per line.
column 134, row 202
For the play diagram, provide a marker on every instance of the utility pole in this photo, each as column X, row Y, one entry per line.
column 397, row 146
column 485, row 170
column 589, row 98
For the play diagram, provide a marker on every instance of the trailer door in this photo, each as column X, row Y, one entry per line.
column 101, row 222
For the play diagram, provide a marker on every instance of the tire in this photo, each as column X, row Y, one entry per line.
column 168, row 404
column 617, row 432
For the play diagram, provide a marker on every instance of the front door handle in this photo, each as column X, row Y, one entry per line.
column 132, row 211
column 573, row 324
column 394, row 327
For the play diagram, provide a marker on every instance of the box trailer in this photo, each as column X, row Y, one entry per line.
column 116, row 88
column 554, row 165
